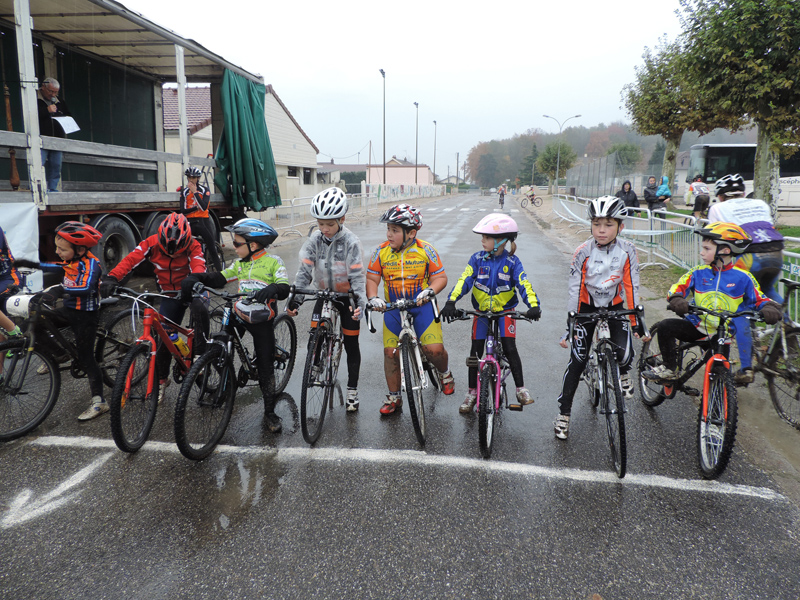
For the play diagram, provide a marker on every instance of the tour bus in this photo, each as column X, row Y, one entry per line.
column 712, row 161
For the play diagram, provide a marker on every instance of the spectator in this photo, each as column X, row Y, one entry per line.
column 627, row 195
column 51, row 106
column 663, row 193
column 650, row 195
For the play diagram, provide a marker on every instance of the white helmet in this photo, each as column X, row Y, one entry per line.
column 329, row 204
column 607, row 206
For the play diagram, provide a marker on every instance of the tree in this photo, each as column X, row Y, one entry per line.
column 486, row 173
column 742, row 57
column 527, row 169
column 628, row 156
column 657, row 157
column 550, row 158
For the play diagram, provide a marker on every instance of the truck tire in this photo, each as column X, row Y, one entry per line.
column 118, row 241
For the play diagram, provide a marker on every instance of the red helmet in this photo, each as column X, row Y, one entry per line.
column 79, row 234
column 174, row 233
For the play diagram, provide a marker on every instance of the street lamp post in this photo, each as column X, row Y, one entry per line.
column 383, row 74
column 416, row 146
column 434, row 152
column 560, row 127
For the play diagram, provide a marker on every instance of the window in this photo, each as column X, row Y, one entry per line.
column 307, row 177
column 292, row 171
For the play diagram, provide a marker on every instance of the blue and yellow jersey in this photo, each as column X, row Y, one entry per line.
column 728, row 289
column 494, row 281
column 81, row 281
column 406, row 273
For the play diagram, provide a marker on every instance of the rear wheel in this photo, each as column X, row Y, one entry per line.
column 416, row 404
column 114, row 343
column 28, row 390
column 316, row 390
column 205, row 404
column 132, row 405
column 716, row 423
column 285, row 350
column 613, row 405
column 537, row 201
column 486, row 409
column 783, row 378
column 652, row 394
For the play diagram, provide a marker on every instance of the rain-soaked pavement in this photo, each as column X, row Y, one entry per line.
column 367, row 513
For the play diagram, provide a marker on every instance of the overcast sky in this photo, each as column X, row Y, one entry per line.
column 482, row 70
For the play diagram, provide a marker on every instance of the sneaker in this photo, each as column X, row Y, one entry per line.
column 162, row 389
column 43, row 369
column 524, row 396
column 744, row 376
column 448, row 383
column 660, row 373
column 391, row 404
column 98, row 407
column 561, row 425
column 626, row 385
column 469, row 402
column 352, row 400
column 16, row 332
column 273, row 421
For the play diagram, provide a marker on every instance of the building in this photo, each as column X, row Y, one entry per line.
column 401, row 172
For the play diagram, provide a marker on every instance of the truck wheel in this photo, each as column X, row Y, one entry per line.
column 118, row 241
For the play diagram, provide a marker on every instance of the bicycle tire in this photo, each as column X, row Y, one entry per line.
column 651, row 393
column 614, row 408
column 433, row 375
column 285, row 350
column 716, row 423
column 783, row 378
column 23, row 410
column 114, row 342
column 133, row 412
column 416, row 403
column 486, row 409
column 536, row 201
column 205, row 403
column 524, row 203
column 316, row 392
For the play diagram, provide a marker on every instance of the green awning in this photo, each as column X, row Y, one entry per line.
column 246, row 166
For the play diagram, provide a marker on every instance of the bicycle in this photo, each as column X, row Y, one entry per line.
column 205, row 401
column 602, row 377
column 415, row 368
column 325, row 343
column 532, row 198
column 717, row 415
column 134, row 397
column 776, row 354
column 493, row 370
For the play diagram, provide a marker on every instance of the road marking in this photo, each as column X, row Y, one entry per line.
column 421, row 458
column 21, row 510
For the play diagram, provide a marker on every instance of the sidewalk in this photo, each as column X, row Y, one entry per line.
column 767, row 440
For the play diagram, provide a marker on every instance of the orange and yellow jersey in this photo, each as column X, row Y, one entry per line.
column 405, row 273
column 81, row 281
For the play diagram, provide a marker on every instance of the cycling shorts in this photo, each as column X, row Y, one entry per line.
column 427, row 329
column 480, row 328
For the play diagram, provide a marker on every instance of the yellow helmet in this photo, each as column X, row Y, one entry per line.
column 726, row 234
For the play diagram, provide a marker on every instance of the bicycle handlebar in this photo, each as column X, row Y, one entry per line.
column 320, row 294
column 727, row 315
column 604, row 314
column 464, row 314
column 402, row 304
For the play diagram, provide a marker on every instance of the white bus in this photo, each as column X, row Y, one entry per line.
column 712, row 161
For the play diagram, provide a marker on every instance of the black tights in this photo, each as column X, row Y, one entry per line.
column 511, row 353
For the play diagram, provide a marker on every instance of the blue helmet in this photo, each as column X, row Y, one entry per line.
column 253, row 230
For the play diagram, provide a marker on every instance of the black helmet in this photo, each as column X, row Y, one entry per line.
column 193, row 172
column 729, row 185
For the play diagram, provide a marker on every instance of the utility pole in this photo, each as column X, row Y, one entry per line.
column 456, row 171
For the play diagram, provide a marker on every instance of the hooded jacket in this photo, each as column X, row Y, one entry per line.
column 629, row 197
column 663, row 189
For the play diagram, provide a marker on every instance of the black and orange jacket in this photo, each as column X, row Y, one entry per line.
column 81, row 281
column 8, row 274
column 195, row 205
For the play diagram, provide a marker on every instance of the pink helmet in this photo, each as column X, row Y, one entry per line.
column 497, row 225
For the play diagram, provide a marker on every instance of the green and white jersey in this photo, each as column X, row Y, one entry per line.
column 260, row 271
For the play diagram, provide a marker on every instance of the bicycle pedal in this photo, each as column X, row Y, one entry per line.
column 472, row 361
column 516, row 407
column 690, row 391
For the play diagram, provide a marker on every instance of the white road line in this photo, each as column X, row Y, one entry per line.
column 423, row 459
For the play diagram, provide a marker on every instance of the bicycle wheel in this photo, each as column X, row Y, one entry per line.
column 716, row 423
column 316, row 390
column 114, row 342
column 133, row 409
column 285, row 350
column 783, row 377
column 26, row 395
column 205, row 403
column 433, row 376
column 613, row 406
column 537, row 201
column 486, row 409
column 652, row 394
column 524, row 203
column 416, row 404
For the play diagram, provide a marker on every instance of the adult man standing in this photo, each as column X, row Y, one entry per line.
column 50, row 106
column 763, row 258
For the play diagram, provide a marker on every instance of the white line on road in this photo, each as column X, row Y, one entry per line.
column 424, row 459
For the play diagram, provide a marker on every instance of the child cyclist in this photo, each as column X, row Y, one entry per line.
column 716, row 285
column 411, row 269
column 174, row 254
column 332, row 257
column 495, row 275
column 603, row 269
column 264, row 275
column 80, row 309
column 10, row 283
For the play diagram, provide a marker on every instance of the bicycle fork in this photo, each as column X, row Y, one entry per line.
column 712, row 362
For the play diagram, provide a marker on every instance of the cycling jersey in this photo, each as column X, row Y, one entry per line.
column 494, row 281
column 261, row 270
column 752, row 215
column 81, row 281
column 8, row 274
column 195, row 205
column 170, row 270
column 407, row 272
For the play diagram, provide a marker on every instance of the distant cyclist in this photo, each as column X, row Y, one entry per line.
column 502, row 192
column 195, row 199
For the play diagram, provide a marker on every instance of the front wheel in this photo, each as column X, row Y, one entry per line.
column 205, row 403
column 29, row 387
column 316, row 390
column 285, row 350
column 613, row 405
column 783, row 377
column 524, row 203
column 487, row 409
column 416, row 404
column 537, row 201
column 652, row 394
column 114, row 342
column 134, row 399
column 716, row 423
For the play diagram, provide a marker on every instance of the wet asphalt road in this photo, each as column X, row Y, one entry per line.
column 367, row 514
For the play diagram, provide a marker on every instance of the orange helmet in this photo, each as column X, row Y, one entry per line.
column 79, row 234
column 727, row 235
column 174, row 233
